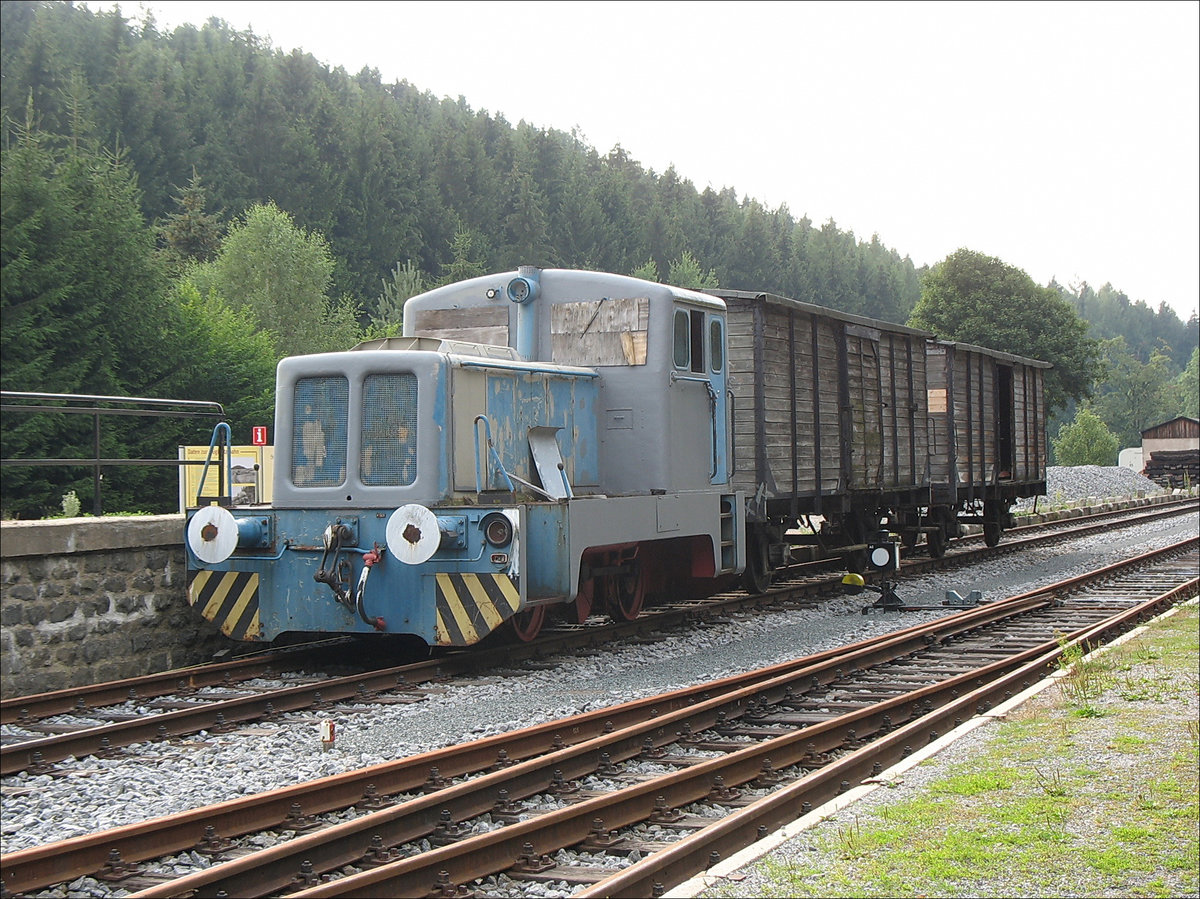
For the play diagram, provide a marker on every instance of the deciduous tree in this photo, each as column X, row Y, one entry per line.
column 1135, row 395
column 979, row 299
column 1189, row 386
column 282, row 274
column 1085, row 441
column 687, row 272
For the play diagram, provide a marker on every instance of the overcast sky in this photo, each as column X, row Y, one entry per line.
column 1062, row 138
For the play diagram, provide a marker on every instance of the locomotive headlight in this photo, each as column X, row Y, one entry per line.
column 497, row 529
column 521, row 290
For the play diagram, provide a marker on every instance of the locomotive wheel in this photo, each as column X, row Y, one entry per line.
column 527, row 623
column 758, row 574
column 628, row 594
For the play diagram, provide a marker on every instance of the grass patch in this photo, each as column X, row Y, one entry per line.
column 1128, row 743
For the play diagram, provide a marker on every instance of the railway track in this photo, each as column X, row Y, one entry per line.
column 630, row 799
column 52, row 727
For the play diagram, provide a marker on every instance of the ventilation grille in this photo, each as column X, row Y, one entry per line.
column 389, row 430
column 321, row 408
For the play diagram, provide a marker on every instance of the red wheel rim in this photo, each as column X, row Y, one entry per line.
column 629, row 592
column 527, row 623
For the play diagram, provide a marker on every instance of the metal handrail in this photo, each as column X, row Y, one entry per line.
column 483, row 479
column 102, row 406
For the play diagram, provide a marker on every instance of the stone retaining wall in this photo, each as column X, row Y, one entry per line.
column 85, row 600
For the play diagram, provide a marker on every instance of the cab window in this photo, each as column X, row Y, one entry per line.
column 716, row 345
column 689, row 340
column 683, row 347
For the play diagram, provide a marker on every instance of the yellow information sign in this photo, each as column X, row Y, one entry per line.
column 253, row 467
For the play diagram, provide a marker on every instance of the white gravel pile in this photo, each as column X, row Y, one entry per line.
column 1080, row 484
column 165, row 778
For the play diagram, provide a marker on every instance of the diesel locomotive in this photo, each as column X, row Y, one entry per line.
column 580, row 442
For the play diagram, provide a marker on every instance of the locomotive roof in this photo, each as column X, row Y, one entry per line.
column 469, row 355
column 563, row 279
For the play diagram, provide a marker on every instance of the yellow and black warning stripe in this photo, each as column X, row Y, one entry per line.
column 471, row 606
column 229, row 599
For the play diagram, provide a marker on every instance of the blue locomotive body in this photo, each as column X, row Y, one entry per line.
column 552, row 439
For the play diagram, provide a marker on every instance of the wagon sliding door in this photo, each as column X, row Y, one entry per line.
column 785, row 364
column 883, row 410
column 1029, row 425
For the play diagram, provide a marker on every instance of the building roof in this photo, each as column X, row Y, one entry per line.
column 1181, row 426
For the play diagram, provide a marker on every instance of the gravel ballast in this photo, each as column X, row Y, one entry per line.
column 174, row 777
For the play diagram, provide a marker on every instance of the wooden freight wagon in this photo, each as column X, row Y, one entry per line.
column 829, row 420
column 987, row 427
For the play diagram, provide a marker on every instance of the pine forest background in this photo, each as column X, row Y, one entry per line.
column 182, row 209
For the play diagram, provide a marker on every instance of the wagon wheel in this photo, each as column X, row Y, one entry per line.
column 527, row 623
column 992, row 526
column 856, row 561
column 628, row 592
column 936, row 541
column 910, row 524
column 859, row 528
column 992, row 532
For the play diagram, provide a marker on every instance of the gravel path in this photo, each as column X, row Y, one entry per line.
column 169, row 778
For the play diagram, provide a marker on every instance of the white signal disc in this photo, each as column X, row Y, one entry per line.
column 412, row 534
column 212, row 534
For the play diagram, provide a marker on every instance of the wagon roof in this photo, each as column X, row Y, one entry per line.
column 814, row 309
column 999, row 354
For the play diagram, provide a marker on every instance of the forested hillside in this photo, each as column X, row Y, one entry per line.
column 181, row 210
column 388, row 173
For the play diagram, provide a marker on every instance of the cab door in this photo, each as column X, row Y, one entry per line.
column 699, row 400
column 718, row 377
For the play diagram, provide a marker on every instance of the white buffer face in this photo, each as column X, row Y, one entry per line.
column 212, row 534
column 412, row 534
